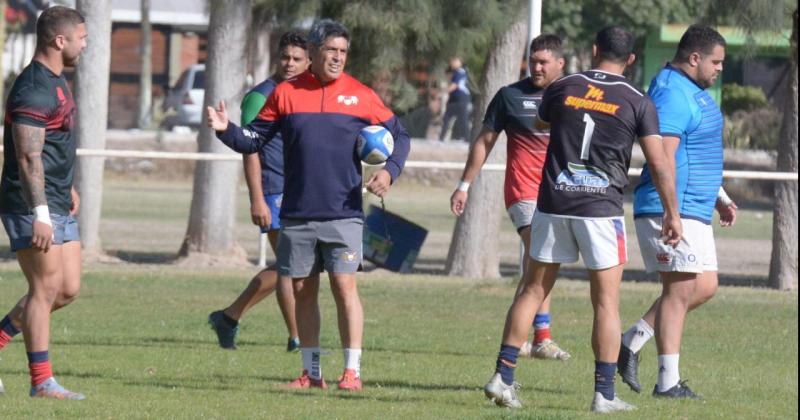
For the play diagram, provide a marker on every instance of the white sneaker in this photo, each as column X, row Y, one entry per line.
column 2, row 388
column 525, row 350
column 601, row 405
column 548, row 349
column 502, row 394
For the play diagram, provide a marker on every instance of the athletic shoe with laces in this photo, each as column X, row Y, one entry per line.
column 293, row 345
column 226, row 335
column 548, row 349
column 525, row 350
column 51, row 389
column 601, row 405
column 306, row 382
column 681, row 390
column 349, row 381
column 502, row 394
column 628, row 368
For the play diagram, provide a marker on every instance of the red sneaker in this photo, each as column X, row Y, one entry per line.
column 305, row 382
column 349, row 381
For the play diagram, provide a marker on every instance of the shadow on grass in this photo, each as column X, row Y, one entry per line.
column 436, row 267
column 140, row 257
column 165, row 342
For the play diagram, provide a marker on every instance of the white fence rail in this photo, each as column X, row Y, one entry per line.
column 424, row 164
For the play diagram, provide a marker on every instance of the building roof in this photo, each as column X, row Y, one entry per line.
column 184, row 13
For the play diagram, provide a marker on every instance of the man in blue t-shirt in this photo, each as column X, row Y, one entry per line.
column 264, row 174
column 458, row 102
column 691, row 126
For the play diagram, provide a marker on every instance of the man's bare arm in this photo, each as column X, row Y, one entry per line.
column 29, row 142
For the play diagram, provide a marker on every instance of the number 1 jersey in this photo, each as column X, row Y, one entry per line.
column 594, row 119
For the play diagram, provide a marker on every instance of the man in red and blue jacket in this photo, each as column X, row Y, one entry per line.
column 319, row 114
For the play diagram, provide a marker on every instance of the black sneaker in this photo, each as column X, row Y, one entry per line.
column 628, row 368
column 226, row 335
column 293, row 345
column 681, row 390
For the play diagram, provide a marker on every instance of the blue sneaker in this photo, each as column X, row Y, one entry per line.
column 293, row 345
column 226, row 335
column 51, row 389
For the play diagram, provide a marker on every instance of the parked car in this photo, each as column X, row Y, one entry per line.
column 186, row 98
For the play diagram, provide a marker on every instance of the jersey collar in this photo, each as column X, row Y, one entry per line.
column 684, row 74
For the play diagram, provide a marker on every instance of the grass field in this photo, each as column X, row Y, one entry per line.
column 136, row 341
column 137, row 345
column 133, row 210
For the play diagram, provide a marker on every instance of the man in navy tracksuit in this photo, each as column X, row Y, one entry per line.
column 319, row 114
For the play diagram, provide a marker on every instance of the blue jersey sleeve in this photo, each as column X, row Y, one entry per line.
column 250, row 138
column 674, row 115
column 402, row 145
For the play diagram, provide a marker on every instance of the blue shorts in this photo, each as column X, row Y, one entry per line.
column 19, row 228
column 274, row 202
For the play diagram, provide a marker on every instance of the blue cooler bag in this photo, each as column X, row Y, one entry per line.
column 390, row 241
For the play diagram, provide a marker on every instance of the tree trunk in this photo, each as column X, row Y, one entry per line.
column 783, row 266
column 211, row 230
column 474, row 247
column 259, row 52
column 91, row 98
column 146, row 73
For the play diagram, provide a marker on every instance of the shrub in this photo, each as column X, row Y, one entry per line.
column 757, row 129
column 742, row 98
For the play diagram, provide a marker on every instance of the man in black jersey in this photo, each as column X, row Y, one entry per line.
column 594, row 118
column 37, row 198
column 513, row 110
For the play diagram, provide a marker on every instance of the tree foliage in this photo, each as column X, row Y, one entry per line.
column 391, row 39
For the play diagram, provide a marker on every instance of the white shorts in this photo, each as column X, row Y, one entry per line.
column 695, row 253
column 557, row 239
column 521, row 213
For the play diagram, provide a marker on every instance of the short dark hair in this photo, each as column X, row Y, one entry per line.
column 698, row 39
column 614, row 44
column 324, row 29
column 548, row 42
column 293, row 38
column 54, row 21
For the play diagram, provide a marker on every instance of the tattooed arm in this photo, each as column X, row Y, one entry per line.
column 29, row 142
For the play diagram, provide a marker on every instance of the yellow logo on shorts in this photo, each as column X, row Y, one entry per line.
column 349, row 256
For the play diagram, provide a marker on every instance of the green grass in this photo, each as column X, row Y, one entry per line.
column 136, row 344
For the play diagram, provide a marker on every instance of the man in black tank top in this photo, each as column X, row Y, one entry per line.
column 594, row 118
column 37, row 198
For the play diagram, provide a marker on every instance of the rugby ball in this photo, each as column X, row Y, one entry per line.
column 374, row 144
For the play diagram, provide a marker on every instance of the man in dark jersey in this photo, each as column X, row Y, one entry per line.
column 513, row 110
column 264, row 174
column 37, row 198
column 595, row 117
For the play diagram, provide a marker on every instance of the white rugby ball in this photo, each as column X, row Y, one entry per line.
column 374, row 144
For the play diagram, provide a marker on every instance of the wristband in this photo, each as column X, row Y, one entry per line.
column 723, row 197
column 42, row 214
column 463, row 186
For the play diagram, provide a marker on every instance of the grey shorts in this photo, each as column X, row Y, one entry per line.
column 19, row 228
column 307, row 247
column 521, row 213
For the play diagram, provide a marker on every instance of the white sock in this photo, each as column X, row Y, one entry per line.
column 352, row 360
column 311, row 362
column 637, row 336
column 668, row 375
